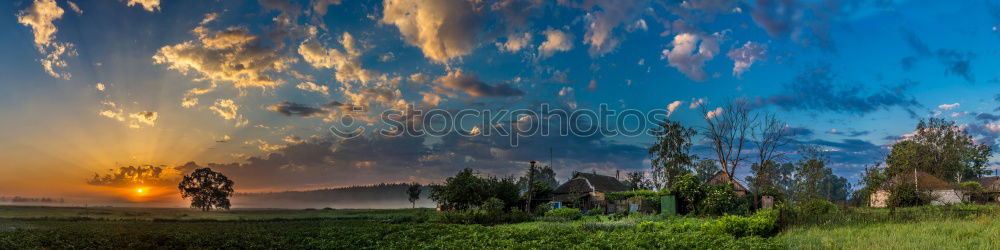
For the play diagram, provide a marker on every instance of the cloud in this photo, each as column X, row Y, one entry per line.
column 313, row 87
column 232, row 55
column 131, row 175
column 290, row 108
column 470, row 84
column 555, row 40
column 346, row 63
column 40, row 16
column 442, row 29
column 133, row 120
column 947, row 107
column 689, row 54
column 144, row 118
column 321, row 6
column 713, row 113
column 807, row 23
column 515, row 42
column 188, row 101
column 673, row 106
column 816, row 90
column 419, row 78
column 604, row 18
column 209, row 18
column 99, row 87
column 148, row 5
column 957, row 63
column 75, row 8
column 228, row 110
column 799, row 132
column 745, row 56
column 695, row 103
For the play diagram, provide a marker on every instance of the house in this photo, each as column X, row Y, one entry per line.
column 943, row 193
column 586, row 191
column 991, row 186
column 721, row 178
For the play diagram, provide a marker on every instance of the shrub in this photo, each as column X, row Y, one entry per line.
column 818, row 207
column 690, row 191
column 720, row 200
column 619, row 215
column 764, row 223
column 596, row 211
column 565, row 213
column 907, row 196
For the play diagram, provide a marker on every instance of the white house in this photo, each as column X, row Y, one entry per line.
column 943, row 193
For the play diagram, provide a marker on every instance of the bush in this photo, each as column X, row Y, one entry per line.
column 689, row 191
column 907, row 196
column 565, row 213
column 721, row 200
column 764, row 223
column 619, row 215
column 818, row 207
column 596, row 211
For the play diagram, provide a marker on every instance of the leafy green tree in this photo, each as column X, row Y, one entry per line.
column 670, row 154
column 413, row 191
column 544, row 176
column 705, row 169
column 940, row 148
column 689, row 192
column 813, row 180
column 207, row 189
column 721, row 200
column 465, row 190
column 637, row 180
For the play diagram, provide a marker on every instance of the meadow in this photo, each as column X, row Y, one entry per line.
column 145, row 228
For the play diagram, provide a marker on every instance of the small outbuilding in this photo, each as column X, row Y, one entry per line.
column 721, row 178
column 943, row 193
column 586, row 191
column 991, row 187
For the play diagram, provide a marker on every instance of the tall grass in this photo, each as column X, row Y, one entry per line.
column 978, row 233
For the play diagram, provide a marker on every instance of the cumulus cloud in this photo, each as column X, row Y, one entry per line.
column 689, row 54
column 228, row 110
column 713, row 113
column 290, row 108
column 419, row 78
column 672, row 107
column 745, row 56
column 148, row 5
column 313, row 87
column 470, row 84
column 144, row 118
column 555, row 40
column 40, row 17
column 442, row 29
column 188, row 101
column 604, row 18
column 112, row 110
column 209, row 18
column 130, row 176
column 515, row 42
column 345, row 63
column 320, row 6
column 99, row 87
column 233, row 55
column 695, row 103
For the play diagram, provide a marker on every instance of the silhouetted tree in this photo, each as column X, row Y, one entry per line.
column 466, row 190
column 414, row 192
column 728, row 128
column 637, row 180
column 207, row 189
column 670, row 154
column 813, row 180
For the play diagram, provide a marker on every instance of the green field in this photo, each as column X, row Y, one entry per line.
column 144, row 228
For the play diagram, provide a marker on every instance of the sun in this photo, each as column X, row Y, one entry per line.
column 139, row 190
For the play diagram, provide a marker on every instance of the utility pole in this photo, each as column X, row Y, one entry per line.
column 531, row 185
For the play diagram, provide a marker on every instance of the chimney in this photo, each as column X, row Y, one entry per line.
column 617, row 173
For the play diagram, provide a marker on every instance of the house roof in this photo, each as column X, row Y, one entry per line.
column 990, row 184
column 924, row 181
column 721, row 178
column 584, row 183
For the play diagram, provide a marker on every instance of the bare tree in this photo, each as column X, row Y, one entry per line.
column 728, row 128
column 769, row 136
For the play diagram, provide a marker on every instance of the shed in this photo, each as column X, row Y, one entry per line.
column 943, row 192
column 586, row 190
column 721, row 178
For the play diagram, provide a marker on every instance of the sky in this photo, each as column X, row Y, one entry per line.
column 252, row 88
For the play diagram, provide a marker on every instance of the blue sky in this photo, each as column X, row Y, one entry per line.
column 246, row 86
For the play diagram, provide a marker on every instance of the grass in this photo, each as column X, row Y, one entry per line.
column 149, row 214
column 978, row 233
column 142, row 228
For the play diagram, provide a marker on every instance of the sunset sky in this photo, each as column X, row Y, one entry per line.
column 250, row 88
